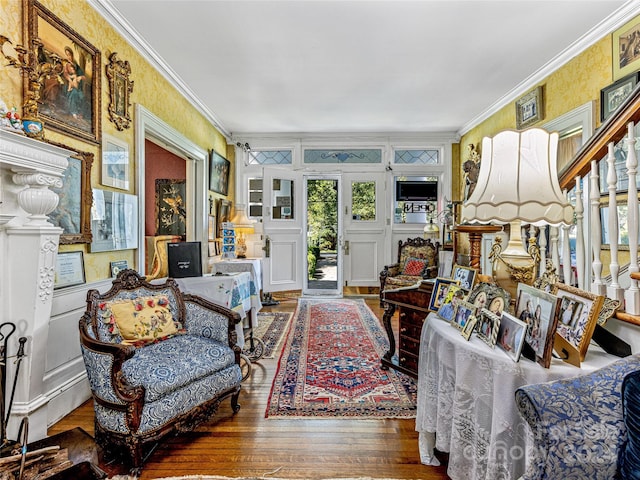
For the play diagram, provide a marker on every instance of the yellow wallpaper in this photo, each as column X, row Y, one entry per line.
column 151, row 90
column 574, row 84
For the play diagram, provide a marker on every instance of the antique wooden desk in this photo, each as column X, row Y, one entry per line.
column 413, row 307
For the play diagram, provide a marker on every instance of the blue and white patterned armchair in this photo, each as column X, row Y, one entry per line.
column 577, row 423
column 146, row 389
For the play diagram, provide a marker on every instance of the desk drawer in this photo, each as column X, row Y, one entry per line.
column 409, row 330
column 412, row 317
column 408, row 361
column 409, row 345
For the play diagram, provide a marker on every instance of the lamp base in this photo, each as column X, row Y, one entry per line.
column 514, row 265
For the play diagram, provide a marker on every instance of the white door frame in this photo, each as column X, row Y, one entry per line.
column 149, row 127
column 306, row 290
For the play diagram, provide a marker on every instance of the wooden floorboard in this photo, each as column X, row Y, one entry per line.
column 248, row 444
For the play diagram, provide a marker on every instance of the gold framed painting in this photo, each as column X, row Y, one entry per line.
column 73, row 212
column 626, row 49
column 120, row 89
column 69, row 102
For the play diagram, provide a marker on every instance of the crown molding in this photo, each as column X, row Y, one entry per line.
column 106, row 9
column 614, row 21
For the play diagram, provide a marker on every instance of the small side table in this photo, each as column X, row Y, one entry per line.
column 233, row 265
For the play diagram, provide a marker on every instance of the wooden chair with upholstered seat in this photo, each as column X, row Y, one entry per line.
column 417, row 260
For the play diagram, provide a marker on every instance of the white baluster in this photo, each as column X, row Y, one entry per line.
column 613, row 290
column 598, row 286
column 580, row 250
column 566, row 251
column 555, row 254
column 632, row 294
column 542, row 242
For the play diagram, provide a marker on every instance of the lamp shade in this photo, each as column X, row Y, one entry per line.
column 240, row 220
column 518, row 180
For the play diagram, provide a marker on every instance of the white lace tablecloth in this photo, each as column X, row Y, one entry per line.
column 466, row 404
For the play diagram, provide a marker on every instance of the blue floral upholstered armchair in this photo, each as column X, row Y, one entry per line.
column 158, row 361
column 580, row 428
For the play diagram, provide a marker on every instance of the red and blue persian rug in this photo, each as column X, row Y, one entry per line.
column 330, row 366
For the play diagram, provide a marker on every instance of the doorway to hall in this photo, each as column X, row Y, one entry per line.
column 323, row 236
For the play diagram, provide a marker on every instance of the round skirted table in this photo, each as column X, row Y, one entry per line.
column 466, row 402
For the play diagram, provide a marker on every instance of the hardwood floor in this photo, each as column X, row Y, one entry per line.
column 247, row 444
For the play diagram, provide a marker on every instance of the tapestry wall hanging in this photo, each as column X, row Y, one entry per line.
column 171, row 214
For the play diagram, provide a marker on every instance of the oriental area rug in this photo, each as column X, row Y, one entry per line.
column 330, row 366
column 271, row 328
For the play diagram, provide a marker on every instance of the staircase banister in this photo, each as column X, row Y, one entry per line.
column 613, row 129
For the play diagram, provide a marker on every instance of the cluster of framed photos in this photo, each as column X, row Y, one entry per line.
column 563, row 316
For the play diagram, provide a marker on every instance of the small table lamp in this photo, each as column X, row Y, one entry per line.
column 243, row 226
column 518, row 183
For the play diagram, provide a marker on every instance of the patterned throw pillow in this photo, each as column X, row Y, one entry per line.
column 414, row 267
column 144, row 319
column 629, row 453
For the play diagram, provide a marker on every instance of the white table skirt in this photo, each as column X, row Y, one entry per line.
column 235, row 291
column 466, row 403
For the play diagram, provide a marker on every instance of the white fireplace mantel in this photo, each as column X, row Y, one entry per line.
column 28, row 247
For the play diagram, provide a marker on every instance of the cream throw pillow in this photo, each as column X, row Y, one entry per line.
column 144, row 319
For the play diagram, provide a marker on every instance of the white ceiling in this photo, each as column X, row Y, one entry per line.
column 332, row 66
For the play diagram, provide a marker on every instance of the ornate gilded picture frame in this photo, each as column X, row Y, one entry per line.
column 73, row 213
column 70, row 102
column 578, row 313
column 120, row 89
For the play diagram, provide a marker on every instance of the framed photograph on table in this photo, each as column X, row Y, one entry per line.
column 466, row 276
column 464, row 311
column 440, row 291
column 490, row 296
column 470, row 326
column 448, row 306
column 511, row 335
column 69, row 270
column 487, row 327
column 69, row 102
column 115, row 163
column 538, row 309
column 577, row 315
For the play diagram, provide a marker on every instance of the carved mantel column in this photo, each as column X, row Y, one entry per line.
column 29, row 244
